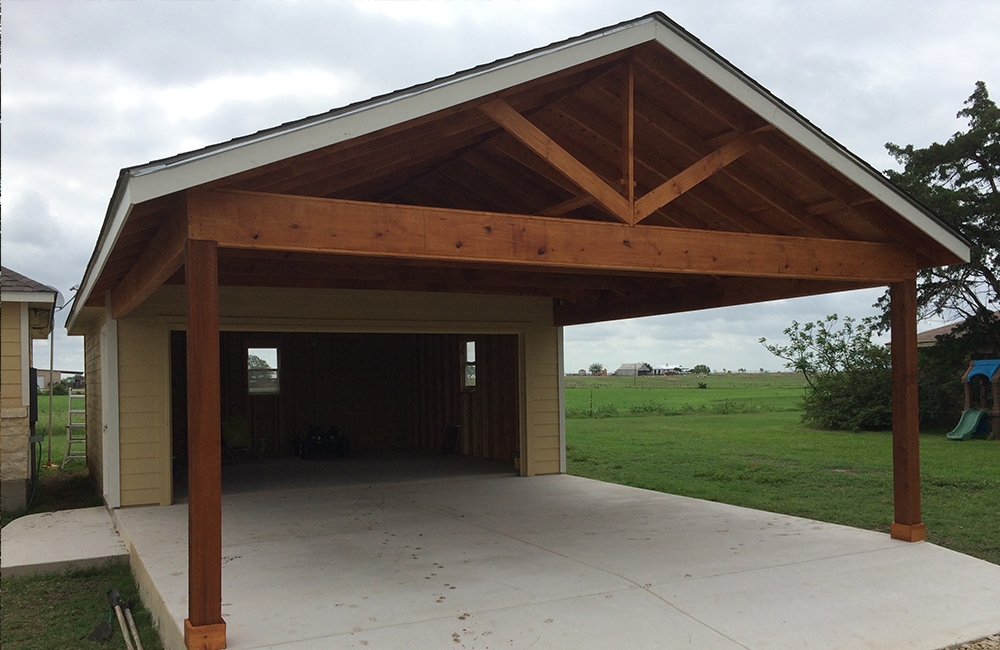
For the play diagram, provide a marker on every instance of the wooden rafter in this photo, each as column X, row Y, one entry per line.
column 690, row 177
column 160, row 259
column 277, row 222
column 536, row 140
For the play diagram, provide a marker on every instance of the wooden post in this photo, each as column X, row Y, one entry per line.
column 204, row 628
column 906, row 523
column 628, row 138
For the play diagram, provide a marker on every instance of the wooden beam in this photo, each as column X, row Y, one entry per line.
column 907, row 524
column 690, row 177
column 628, row 139
column 567, row 206
column 708, row 294
column 163, row 255
column 204, row 621
column 581, row 175
column 295, row 223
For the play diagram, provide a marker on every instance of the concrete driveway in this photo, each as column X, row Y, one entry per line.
column 431, row 558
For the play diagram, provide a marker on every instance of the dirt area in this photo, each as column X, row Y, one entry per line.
column 991, row 642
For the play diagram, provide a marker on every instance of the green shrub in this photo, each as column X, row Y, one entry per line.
column 60, row 389
column 857, row 398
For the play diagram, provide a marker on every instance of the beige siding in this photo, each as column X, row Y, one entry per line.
column 10, row 368
column 542, row 400
column 95, row 418
column 14, row 425
column 144, row 412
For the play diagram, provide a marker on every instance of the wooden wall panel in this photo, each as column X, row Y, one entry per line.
column 386, row 392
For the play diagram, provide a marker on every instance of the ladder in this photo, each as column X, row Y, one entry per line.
column 76, row 429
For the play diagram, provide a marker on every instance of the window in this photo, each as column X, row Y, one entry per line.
column 262, row 371
column 469, row 365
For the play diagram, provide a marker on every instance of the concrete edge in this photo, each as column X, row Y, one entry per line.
column 61, row 566
column 171, row 636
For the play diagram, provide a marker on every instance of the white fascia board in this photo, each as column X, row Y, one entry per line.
column 120, row 212
column 41, row 298
column 808, row 136
column 160, row 180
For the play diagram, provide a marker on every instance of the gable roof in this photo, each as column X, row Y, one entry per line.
column 420, row 139
column 20, row 288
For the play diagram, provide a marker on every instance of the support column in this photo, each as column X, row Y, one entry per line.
column 204, row 628
column 907, row 524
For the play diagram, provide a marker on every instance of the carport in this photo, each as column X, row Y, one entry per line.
column 626, row 172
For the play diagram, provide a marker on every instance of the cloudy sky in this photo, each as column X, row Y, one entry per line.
column 92, row 87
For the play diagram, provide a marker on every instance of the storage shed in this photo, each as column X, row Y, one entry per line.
column 409, row 263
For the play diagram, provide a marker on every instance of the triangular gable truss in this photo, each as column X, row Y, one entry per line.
column 608, row 128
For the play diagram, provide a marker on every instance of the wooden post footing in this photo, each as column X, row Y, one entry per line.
column 908, row 532
column 204, row 637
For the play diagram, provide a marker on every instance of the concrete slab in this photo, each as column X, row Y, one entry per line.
column 496, row 561
column 50, row 542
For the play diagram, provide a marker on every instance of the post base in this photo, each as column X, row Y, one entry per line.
column 908, row 532
column 204, row 637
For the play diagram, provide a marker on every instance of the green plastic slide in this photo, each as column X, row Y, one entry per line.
column 969, row 424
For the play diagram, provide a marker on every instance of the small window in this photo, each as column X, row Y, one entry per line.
column 469, row 365
column 262, row 371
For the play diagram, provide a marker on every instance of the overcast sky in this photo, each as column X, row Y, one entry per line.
column 92, row 87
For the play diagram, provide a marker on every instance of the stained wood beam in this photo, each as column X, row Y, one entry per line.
column 690, row 177
column 707, row 294
column 163, row 255
column 204, row 627
column 536, row 140
column 906, row 524
column 294, row 223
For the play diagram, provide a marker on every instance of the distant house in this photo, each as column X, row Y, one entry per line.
column 26, row 309
column 633, row 369
column 47, row 377
column 928, row 338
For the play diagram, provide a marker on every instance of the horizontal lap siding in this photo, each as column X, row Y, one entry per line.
column 542, row 388
column 10, row 374
column 143, row 412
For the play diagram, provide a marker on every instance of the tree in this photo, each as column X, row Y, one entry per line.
column 256, row 363
column 959, row 181
column 595, row 368
column 848, row 374
column 701, row 369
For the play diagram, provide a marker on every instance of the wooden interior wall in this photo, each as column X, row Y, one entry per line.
column 386, row 392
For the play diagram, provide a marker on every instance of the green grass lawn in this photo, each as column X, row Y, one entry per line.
column 56, row 612
column 770, row 461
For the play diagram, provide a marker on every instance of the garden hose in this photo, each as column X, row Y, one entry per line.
column 38, row 470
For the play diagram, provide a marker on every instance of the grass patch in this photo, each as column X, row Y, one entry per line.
column 770, row 461
column 55, row 612
column 604, row 397
column 58, row 611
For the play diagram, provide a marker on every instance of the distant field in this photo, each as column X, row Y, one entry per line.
column 615, row 396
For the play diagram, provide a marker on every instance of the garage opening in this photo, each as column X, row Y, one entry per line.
column 386, row 395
